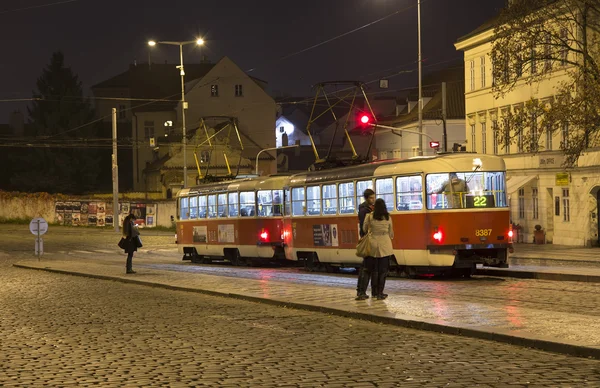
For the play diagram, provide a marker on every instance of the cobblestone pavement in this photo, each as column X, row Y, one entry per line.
column 59, row 330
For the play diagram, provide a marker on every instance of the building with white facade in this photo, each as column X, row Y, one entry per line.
column 564, row 202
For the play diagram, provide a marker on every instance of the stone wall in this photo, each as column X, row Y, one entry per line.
column 25, row 206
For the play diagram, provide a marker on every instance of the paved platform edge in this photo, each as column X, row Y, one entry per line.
column 490, row 335
column 525, row 274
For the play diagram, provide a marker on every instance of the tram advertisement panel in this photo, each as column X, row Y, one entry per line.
column 200, row 234
column 226, row 234
column 325, row 235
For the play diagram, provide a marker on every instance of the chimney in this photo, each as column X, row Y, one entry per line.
column 17, row 123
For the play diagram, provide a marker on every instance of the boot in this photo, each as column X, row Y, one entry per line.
column 374, row 284
column 381, row 282
column 363, row 284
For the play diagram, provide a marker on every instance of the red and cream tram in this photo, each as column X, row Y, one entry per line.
column 241, row 220
column 435, row 230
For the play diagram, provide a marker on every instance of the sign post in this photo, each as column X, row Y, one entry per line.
column 38, row 227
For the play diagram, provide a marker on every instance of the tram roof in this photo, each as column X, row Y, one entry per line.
column 458, row 162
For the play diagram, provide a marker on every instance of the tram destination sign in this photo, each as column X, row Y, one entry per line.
column 480, row 201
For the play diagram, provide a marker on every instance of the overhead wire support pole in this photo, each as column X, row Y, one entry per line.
column 115, row 172
column 271, row 149
column 420, row 80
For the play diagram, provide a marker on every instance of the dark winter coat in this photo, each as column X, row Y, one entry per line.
column 363, row 210
column 129, row 233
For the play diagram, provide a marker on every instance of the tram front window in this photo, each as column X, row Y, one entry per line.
column 466, row 190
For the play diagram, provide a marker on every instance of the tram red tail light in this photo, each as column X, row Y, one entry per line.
column 510, row 233
column 264, row 235
column 438, row 236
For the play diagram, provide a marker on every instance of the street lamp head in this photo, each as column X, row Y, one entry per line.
column 151, row 43
column 200, row 41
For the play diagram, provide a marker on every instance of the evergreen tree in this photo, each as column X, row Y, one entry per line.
column 59, row 118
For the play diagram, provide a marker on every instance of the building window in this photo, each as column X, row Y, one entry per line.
column 557, row 206
column 534, row 196
column 506, row 132
column 483, row 138
column 564, row 46
column 495, row 133
column 472, row 72
column 239, row 91
column 148, row 129
column 122, row 112
column 534, row 133
column 565, row 135
column 549, row 138
column 521, row 203
column 415, row 151
column 533, row 59
column 281, row 129
column 547, row 53
column 214, row 90
column 520, row 140
column 482, row 72
column 519, row 62
column 566, row 205
column 473, row 138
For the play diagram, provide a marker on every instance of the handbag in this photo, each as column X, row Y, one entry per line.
column 363, row 247
column 138, row 241
column 122, row 243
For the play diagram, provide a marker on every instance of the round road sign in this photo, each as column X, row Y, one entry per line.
column 38, row 226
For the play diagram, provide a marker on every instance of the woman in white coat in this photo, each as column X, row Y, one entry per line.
column 379, row 224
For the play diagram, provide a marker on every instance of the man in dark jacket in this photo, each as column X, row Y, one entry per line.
column 364, row 274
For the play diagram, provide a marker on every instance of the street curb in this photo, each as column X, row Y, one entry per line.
column 563, row 277
column 588, row 263
column 541, row 344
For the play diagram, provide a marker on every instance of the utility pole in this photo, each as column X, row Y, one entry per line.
column 115, row 172
column 183, row 108
column 445, row 134
column 420, row 77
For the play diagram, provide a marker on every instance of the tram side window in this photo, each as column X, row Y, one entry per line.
column 409, row 193
column 298, row 201
column 287, row 196
column 384, row 189
column 233, row 205
column 202, row 206
column 269, row 203
column 277, row 202
column 329, row 199
column 184, row 208
column 313, row 201
column 193, row 207
column 360, row 189
column 247, row 204
column 347, row 198
column 222, row 205
column 212, row 206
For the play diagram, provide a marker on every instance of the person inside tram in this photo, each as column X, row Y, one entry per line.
column 455, row 190
column 277, row 204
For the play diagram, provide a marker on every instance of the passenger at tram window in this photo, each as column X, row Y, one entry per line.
column 277, row 207
column 202, row 206
column 455, row 190
column 233, row 204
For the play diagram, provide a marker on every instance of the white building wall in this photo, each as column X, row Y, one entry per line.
column 482, row 107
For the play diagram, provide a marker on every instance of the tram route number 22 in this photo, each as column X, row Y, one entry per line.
column 483, row 232
column 480, row 201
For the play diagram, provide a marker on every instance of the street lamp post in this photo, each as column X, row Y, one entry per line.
column 199, row 42
column 420, row 77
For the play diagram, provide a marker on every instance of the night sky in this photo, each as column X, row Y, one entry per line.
column 101, row 38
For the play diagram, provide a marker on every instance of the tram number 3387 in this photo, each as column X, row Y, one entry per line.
column 483, row 232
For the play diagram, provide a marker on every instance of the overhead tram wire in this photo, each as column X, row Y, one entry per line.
column 37, row 6
column 324, row 42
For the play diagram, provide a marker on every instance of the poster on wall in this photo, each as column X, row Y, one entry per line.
column 200, row 233
column 226, row 234
column 101, row 213
column 151, row 215
column 109, row 218
column 139, row 210
column 325, row 235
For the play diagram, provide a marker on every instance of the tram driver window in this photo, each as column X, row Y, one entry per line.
column 184, row 208
column 247, row 204
column 313, row 201
column 385, row 190
column 233, row 205
column 212, row 206
column 409, row 193
column 298, row 201
column 202, row 206
column 347, row 198
column 462, row 190
column 329, row 199
column 222, row 205
column 193, row 207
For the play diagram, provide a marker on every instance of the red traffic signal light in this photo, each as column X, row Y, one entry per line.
column 365, row 119
column 434, row 144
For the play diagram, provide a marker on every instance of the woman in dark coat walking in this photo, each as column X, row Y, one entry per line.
column 130, row 234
